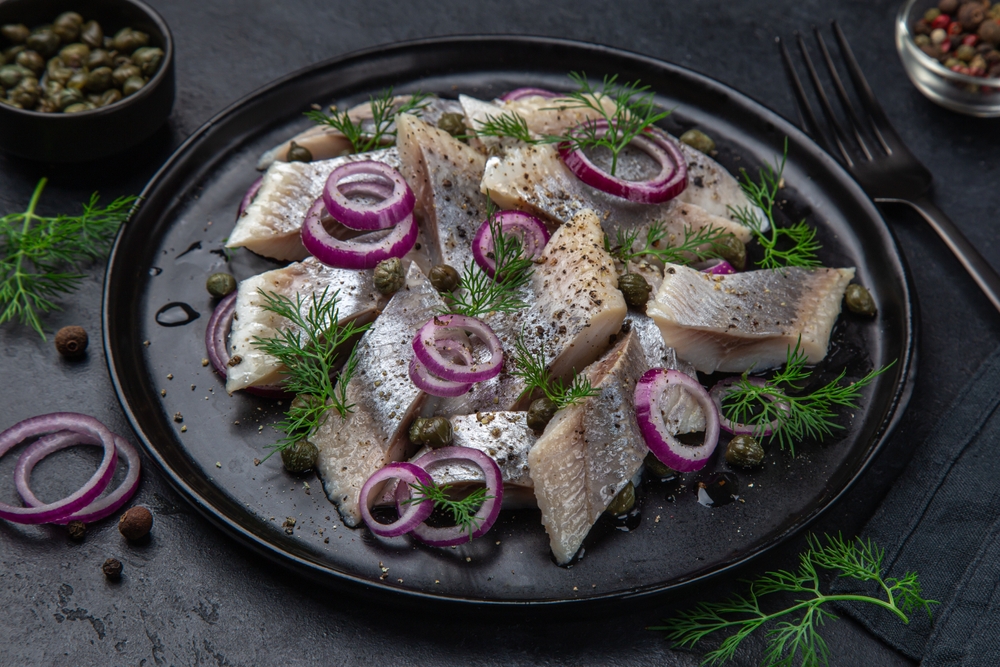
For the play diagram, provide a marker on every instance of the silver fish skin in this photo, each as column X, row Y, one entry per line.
column 385, row 400
column 714, row 189
column 271, row 225
column 590, row 450
column 747, row 320
column 445, row 175
column 358, row 301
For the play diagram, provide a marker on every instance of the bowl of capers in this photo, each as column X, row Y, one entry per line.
column 82, row 79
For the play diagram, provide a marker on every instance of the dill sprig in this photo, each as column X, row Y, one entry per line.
column 688, row 250
column 797, row 417
column 507, row 124
column 384, row 112
column 795, row 635
column 530, row 367
column 802, row 245
column 310, row 350
column 463, row 510
column 38, row 254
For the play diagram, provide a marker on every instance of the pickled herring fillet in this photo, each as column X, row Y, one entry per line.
column 747, row 320
column 445, row 175
column 358, row 301
column 385, row 401
column 590, row 450
column 271, row 225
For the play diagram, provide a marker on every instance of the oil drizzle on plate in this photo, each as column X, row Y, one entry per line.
column 176, row 314
column 718, row 490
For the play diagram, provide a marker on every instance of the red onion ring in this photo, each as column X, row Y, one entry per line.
column 414, row 513
column 528, row 228
column 718, row 394
column 393, row 208
column 100, row 508
column 216, row 336
column 355, row 254
column 715, row 267
column 426, row 350
column 670, row 451
column 666, row 185
column 81, row 498
column 426, row 381
column 249, row 196
column 519, row 93
column 488, row 511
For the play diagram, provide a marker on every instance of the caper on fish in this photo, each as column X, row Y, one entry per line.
column 624, row 501
column 635, row 289
column 92, row 35
column 389, row 276
column 220, row 284
column 744, row 451
column 299, row 457
column 859, row 300
column 733, row 251
column 540, row 413
column 698, row 140
column 656, row 467
column 452, row 123
column 444, row 278
column 15, row 33
column 297, row 153
column 431, row 431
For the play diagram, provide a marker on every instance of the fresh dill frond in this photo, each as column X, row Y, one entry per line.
column 506, row 124
column 530, row 367
column 38, row 254
column 309, row 350
column 463, row 510
column 794, row 633
column 384, row 111
column 797, row 417
column 801, row 246
column 692, row 248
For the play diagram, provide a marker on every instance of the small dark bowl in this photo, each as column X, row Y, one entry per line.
column 89, row 135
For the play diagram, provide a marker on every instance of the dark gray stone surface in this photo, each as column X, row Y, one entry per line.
column 191, row 596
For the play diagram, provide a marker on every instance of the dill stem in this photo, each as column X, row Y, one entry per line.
column 29, row 215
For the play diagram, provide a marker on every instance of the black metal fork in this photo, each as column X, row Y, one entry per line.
column 875, row 155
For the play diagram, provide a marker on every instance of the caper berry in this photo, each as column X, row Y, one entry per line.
column 76, row 108
column 68, row 18
column 733, row 251
column 389, row 276
column 444, row 278
column 67, row 28
column 92, row 35
column 78, row 81
column 15, row 33
column 11, row 75
column 128, row 40
column 99, row 80
column 100, row 58
column 74, row 55
column 31, row 60
column 51, row 89
column 10, row 54
column 220, row 284
column 300, row 457
column 109, row 97
column 434, row 432
column 132, row 85
column 124, row 72
column 744, row 451
column 623, row 502
column 148, row 59
column 68, row 97
column 657, row 467
column 540, row 413
column 452, row 123
column 44, row 41
column 859, row 300
column 635, row 289
column 297, row 153
column 698, row 140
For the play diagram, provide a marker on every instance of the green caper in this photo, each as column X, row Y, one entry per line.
column 733, row 251
column 51, row 89
column 124, row 72
column 56, row 70
column 434, row 432
column 656, row 467
column 540, row 413
column 67, row 97
column 859, row 300
column 11, row 75
column 698, row 140
column 389, row 276
column 31, row 60
column 15, row 33
column 128, row 40
column 635, row 289
column 67, row 26
column 99, row 80
column 23, row 97
column 444, row 278
column 74, row 55
column 298, row 153
column 99, row 58
column 744, row 451
column 452, row 123
column 109, row 97
column 44, row 41
column 92, row 35
column 132, row 85
column 300, row 457
column 220, row 284
column 10, row 53
column 148, row 59
column 623, row 502
column 76, row 108
column 78, row 80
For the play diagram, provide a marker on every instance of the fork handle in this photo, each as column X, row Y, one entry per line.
column 980, row 270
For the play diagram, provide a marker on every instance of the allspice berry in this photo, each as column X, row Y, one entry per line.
column 135, row 523
column 76, row 529
column 989, row 32
column 948, row 6
column 112, row 569
column 970, row 15
column 71, row 341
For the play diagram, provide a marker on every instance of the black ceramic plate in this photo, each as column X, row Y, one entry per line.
column 156, row 309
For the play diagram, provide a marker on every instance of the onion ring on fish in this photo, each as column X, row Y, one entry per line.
column 386, row 184
column 667, row 184
column 249, row 197
column 665, row 447
column 355, row 254
column 718, row 394
column 520, row 93
column 716, row 267
column 413, row 515
column 426, row 381
column 529, row 229
column 426, row 350
column 216, row 336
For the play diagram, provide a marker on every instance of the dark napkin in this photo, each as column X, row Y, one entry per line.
column 942, row 520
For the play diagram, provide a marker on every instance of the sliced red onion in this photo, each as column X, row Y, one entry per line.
column 410, row 516
column 666, row 185
column 430, row 355
column 716, row 267
column 355, row 254
column 488, row 512
column 718, row 395
column 519, row 93
column 249, row 197
column 528, row 228
column 216, row 336
column 394, row 206
column 100, row 508
column 668, row 449
column 426, row 381
column 81, row 498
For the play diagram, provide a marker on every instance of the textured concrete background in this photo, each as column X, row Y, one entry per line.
column 191, row 596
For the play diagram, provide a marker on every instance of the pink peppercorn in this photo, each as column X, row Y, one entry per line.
column 941, row 21
column 971, row 40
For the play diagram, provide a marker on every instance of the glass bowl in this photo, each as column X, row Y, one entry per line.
column 972, row 95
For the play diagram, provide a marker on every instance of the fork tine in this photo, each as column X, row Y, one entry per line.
column 845, row 101
column 838, row 132
column 806, row 114
column 880, row 122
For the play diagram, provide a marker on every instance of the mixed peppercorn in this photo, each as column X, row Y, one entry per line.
column 963, row 36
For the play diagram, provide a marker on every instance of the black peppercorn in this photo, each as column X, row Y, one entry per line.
column 948, row 6
column 970, row 15
column 76, row 529
column 135, row 523
column 71, row 341
column 112, row 569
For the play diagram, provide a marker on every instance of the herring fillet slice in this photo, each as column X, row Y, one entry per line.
column 271, row 225
column 747, row 320
column 358, row 300
column 589, row 450
column 351, row 449
column 445, row 175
